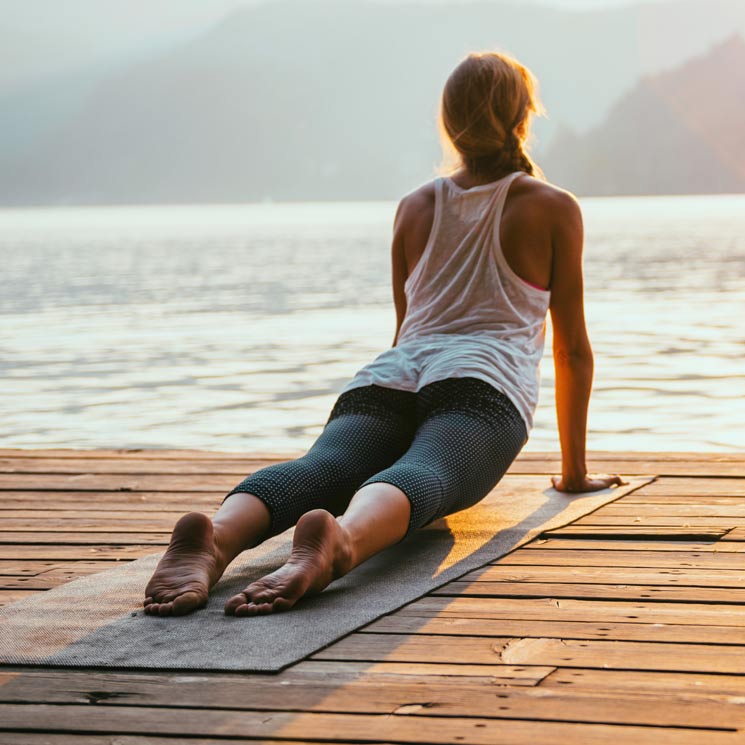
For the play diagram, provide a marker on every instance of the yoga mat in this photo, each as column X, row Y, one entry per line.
column 98, row 621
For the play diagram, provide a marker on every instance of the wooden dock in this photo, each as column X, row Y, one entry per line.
column 627, row 626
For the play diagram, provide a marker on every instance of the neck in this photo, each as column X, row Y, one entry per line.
column 467, row 179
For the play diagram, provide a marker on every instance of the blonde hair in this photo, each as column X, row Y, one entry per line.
column 485, row 113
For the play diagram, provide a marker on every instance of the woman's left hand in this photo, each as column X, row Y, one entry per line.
column 586, row 484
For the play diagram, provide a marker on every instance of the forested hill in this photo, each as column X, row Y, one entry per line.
column 674, row 133
column 334, row 99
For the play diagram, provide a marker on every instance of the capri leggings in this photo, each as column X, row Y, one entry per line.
column 445, row 446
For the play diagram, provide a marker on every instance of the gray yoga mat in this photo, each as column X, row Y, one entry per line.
column 98, row 621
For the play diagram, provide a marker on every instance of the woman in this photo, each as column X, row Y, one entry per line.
column 431, row 425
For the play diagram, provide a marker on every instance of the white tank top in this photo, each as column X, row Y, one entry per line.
column 467, row 313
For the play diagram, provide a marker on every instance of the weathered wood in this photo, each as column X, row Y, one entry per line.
column 398, row 623
column 709, row 501
column 638, row 532
column 119, row 482
column 47, row 738
column 606, row 654
column 372, row 647
column 369, row 697
column 52, row 578
column 704, row 658
column 662, row 523
column 608, row 575
column 235, row 468
column 57, row 553
column 725, row 507
column 577, row 638
column 683, row 594
column 50, row 524
column 626, row 543
column 578, row 610
column 10, row 568
column 9, row 596
column 105, row 500
column 409, row 726
column 703, row 487
column 583, row 553
column 736, row 534
column 90, row 517
column 646, row 682
column 35, row 537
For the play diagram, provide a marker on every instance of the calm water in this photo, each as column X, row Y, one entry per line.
column 235, row 327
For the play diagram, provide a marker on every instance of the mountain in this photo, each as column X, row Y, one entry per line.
column 675, row 133
column 319, row 99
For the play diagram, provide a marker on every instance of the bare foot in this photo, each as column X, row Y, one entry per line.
column 191, row 565
column 321, row 553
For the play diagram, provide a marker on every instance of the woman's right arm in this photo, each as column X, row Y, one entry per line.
column 573, row 359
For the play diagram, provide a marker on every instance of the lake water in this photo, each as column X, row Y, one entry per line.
column 235, row 327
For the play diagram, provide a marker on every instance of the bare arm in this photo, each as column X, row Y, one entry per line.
column 573, row 358
column 399, row 270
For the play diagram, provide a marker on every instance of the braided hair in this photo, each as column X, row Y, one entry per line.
column 485, row 115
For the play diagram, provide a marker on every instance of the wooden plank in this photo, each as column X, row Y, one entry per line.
column 47, row 738
column 639, row 532
column 607, row 654
column 608, row 575
column 407, row 727
column 53, row 578
column 119, row 482
column 362, row 697
column 11, row 568
column 54, row 552
column 661, row 522
column 50, row 524
column 63, row 466
column 583, row 553
column 310, row 672
column 736, row 534
column 398, row 623
column 628, row 543
column 645, row 682
column 191, row 454
column 371, row 647
column 90, row 516
column 703, row 658
column 671, row 500
column 725, row 507
column 11, row 596
column 35, row 537
column 705, row 487
column 596, row 611
column 64, row 499
column 136, row 454
column 685, row 594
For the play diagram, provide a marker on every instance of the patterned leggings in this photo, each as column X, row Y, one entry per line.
column 445, row 446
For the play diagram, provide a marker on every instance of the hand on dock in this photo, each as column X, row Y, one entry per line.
column 586, row 484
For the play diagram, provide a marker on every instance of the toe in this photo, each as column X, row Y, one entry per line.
column 282, row 604
column 165, row 609
column 235, row 602
column 187, row 602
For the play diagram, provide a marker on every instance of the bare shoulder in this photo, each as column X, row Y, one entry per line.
column 532, row 199
column 417, row 208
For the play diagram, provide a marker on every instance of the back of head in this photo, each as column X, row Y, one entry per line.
column 485, row 114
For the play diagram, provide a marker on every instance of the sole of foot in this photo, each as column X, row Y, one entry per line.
column 189, row 567
column 321, row 553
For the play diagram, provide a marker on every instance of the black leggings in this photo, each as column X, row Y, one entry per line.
column 445, row 446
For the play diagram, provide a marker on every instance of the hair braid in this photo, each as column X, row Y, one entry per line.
column 485, row 113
